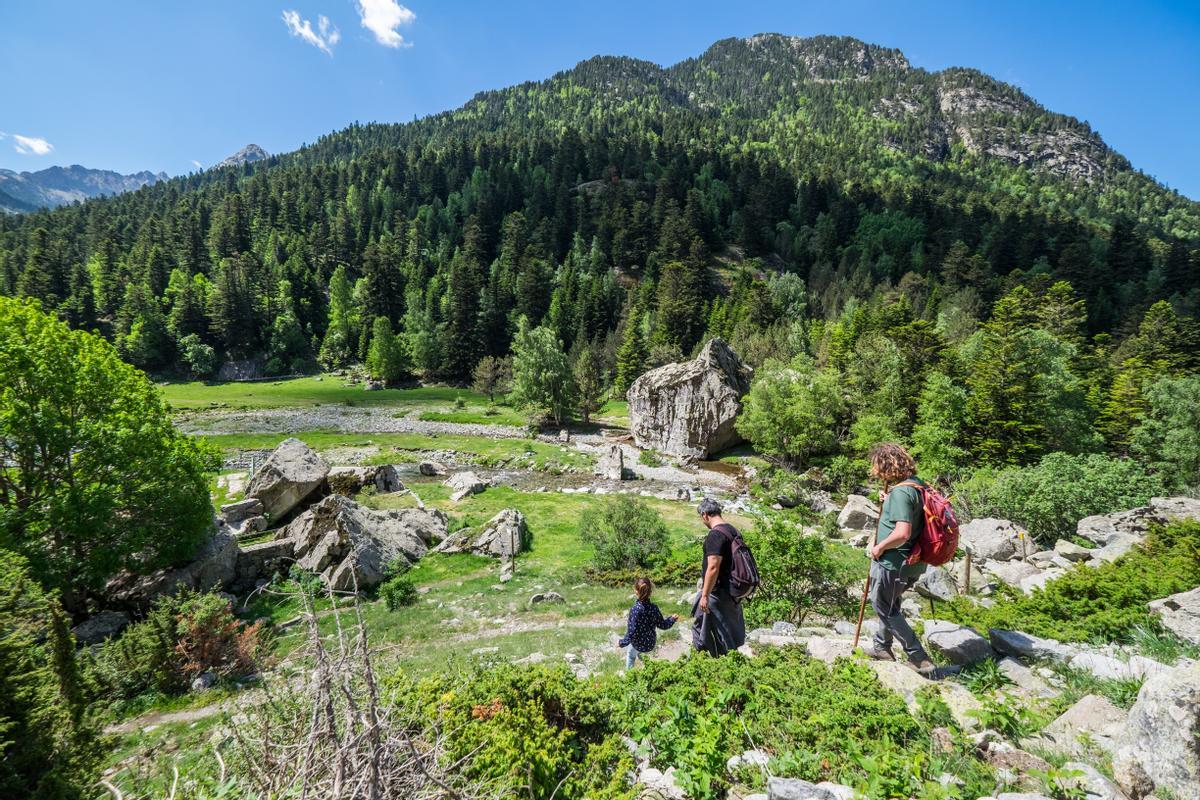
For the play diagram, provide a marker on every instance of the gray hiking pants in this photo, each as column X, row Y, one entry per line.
column 887, row 588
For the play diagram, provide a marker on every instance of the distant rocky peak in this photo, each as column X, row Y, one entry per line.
column 831, row 57
column 247, row 155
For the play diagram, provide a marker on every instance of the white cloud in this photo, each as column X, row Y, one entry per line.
column 323, row 38
column 197, row 164
column 382, row 18
column 28, row 145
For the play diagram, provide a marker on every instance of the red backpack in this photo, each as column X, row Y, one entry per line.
column 938, row 540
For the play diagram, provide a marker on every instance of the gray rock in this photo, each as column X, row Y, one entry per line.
column 1039, row 580
column 234, row 514
column 212, row 569
column 688, row 409
column 1108, row 668
column 504, row 536
column 203, row 682
column 431, row 469
column 859, row 514
column 796, row 789
column 1103, row 528
column 262, row 560
column 1093, row 720
column 750, row 758
column 1021, row 796
column 541, row 598
column 1180, row 614
column 1117, row 546
column 349, row 481
column 349, row 545
column 1158, row 748
column 100, row 626
column 290, row 475
column 611, row 465
column 1004, row 756
column 465, row 484
column 1024, row 679
column 1010, row 572
column 958, row 644
column 1092, row 782
column 936, row 583
column 1028, row 646
column 1072, row 551
column 869, row 626
column 990, row 539
column 1042, row 559
column 783, row 628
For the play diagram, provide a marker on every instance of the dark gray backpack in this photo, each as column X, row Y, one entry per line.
column 744, row 579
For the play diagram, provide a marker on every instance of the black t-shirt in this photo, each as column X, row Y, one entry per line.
column 719, row 543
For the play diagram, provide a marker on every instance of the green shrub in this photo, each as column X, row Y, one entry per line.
column 1169, row 435
column 48, row 746
column 1106, row 603
column 801, row 574
column 398, row 592
column 182, row 637
column 625, row 532
column 669, row 572
column 1050, row 497
column 649, row 458
column 533, row 732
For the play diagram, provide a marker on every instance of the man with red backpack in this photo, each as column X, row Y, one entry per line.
column 729, row 576
column 901, row 525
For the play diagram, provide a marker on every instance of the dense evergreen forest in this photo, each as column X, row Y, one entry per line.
column 803, row 198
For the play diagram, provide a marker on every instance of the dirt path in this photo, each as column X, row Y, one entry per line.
column 155, row 718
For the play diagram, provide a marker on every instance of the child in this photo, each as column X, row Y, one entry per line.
column 644, row 618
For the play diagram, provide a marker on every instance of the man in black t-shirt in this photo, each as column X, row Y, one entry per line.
column 717, row 622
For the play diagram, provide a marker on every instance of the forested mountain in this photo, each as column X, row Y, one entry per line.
column 792, row 195
column 56, row 186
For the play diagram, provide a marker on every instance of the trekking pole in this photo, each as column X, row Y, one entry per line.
column 862, row 607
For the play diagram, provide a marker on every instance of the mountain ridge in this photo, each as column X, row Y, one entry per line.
column 55, row 186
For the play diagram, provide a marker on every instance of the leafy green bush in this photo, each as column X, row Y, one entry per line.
column 1050, row 497
column 533, row 732
column 182, row 637
column 398, row 592
column 625, row 532
column 801, row 574
column 818, row 723
column 1107, row 602
column 671, row 571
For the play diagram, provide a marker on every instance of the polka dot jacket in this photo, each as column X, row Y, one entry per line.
column 644, row 618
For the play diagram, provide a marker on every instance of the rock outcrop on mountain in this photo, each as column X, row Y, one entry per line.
column 688, row 409
column 247, row 155
column 1158, row 748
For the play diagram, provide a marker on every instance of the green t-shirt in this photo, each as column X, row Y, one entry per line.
column 903, row 504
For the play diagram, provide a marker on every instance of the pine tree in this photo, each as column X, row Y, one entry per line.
column 338, row 347
column 591, row 381
column 632, row 354
column 387, row 359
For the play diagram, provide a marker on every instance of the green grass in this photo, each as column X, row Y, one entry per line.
column 614, row 412
column 310, row 391
column 476, row 415
column 402, row 447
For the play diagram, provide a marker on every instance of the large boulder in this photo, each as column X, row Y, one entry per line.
column 1105, row 528
column 990, row 539
column 796, row 789
column 100, row 626
column 349, row 481
column 243, row 518
column 611, row 463
column 688, row 409
column 349, row 545
column 958, row 644
column 290, row 474
column 212, row 569
column 1158, row 749
column 1092, row 721
column 1010, row 572
column 465, row 484
column 936, row 583
column 1030, row 647
column 859, row 514
column 504, row 536
column 1180, row 614
column 262, row 560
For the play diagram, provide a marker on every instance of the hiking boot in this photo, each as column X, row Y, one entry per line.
column 925, row 668
column 876, row 654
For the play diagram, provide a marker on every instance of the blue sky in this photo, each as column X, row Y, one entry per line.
column 136, row 84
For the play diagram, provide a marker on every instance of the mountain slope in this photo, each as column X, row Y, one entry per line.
column 56, row 186
column 247, row 155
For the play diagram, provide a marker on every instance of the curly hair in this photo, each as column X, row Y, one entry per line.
column 891, row 462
